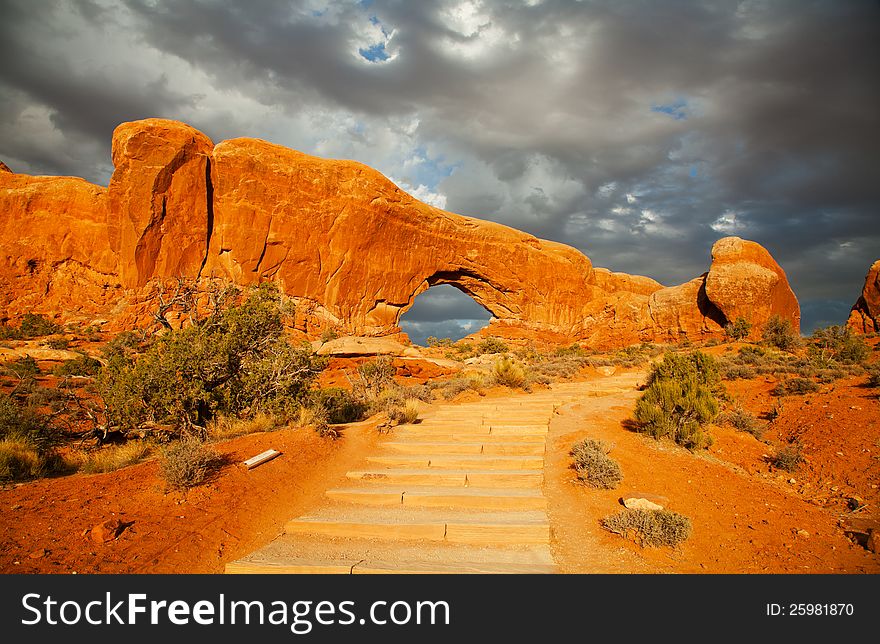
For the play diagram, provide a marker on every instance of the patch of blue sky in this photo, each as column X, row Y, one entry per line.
column 375, row 53
column 677, row 109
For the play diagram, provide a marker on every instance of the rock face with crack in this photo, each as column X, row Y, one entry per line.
column 865, row 314
column 351, row 247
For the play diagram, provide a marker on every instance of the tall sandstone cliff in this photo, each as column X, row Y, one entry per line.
column 865, row 314
column 351, row 247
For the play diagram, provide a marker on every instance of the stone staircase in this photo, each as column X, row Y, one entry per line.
column 458, row 492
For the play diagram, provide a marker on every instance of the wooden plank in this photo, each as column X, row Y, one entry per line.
column 259, row 459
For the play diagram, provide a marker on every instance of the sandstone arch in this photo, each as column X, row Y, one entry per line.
column 351, row 247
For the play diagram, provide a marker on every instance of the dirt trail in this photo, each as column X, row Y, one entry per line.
column 521, row 509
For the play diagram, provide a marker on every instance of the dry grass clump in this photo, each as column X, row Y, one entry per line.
column 405, row 414
column 650, row 528
column 788, row 458
column 114, row 457
column 225, row 427
column 593, row 465
column 188, row 463
column 19, row 460
column 509, row 373
column 743, row 420
column 317, row 417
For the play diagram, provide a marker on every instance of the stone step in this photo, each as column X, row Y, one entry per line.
column 449, row 526
column 300, row 554
column 478, row 447
column 443, row 436
column 459, row 461
column 451, row 478
column 373, row 567
column 482, row 430
column 449, row 497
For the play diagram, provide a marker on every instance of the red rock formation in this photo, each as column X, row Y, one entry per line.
column 159, row 197
column 745, row 281
column 350, row 247
column 4, row 167
column 865, row 314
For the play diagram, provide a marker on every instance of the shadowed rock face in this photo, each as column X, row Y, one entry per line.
column 351, row 247
column 865, row 314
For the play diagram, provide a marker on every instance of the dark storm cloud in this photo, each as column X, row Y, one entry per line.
column 639, row 132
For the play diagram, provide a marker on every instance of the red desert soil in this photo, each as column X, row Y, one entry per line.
column 746, row 517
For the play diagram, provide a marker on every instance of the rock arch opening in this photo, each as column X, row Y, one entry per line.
column 443, row 311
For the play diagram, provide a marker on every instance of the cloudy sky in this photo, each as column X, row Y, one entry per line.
column 638, row 132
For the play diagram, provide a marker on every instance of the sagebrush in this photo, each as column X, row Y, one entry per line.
column 593, row 465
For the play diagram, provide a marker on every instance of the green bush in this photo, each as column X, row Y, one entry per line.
column 739, row 329
column 81, row 366
column 341, row 405
column 778, row 332
column 840, row 344
column 795, row 387
column 37, row 326
column 593, row 465
column 24, row 368
column 18, row 422
column 438, row 342
column 680, row 399
column 234, row 361
column 124, row 344
column 491, row 345
column 187, row 463
column 651, row 528
column 58, row 342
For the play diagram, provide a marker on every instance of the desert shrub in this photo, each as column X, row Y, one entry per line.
column 743, row 420
column 187, row 463
column 81, row 366
column 58, row 342
column 451, row 388
column 24, row 368
column 114, row 457
column 19, row 460
column 841, row 343
column 778, row 332
column 558, row 366
column 438, row 342
column 315, row 416
column 18, row 422
column 736, row 371
column 329, row 334
column 406, row 413
column 37, row 326
column 593, row 465
column 651, row 528
column 571, row 350
column 788, row 458
column 425, row 392
column 739, row 329
column 374, row 376
column 341, row 405
column 234, row 361
column 680, row 399
column 124, row 344
column 874, row 376
column 10, row 332
column 795, row 387
column 224, row 427
column 491, row 345
column 509, row 373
